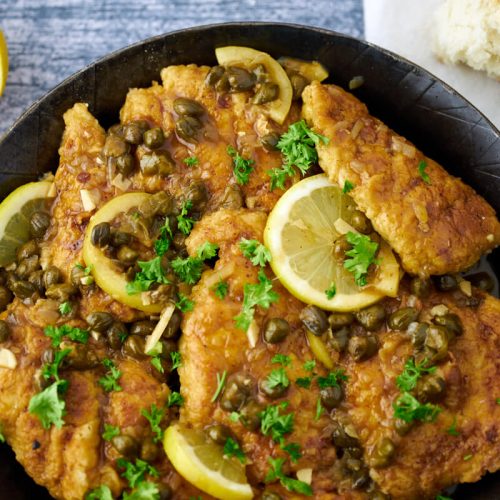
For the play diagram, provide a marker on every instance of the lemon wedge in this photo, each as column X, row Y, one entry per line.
column 249, row 58
column 105, row 274
column 15, row 213
column 312, row 70
column 203, row 464
column 300, row 234
column 4, row 63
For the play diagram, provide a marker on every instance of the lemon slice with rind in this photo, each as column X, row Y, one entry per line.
column 248, row 58
column 4, row 63
column 204, row 465
column 15, row 213
column 300, row 234
column 105, row 274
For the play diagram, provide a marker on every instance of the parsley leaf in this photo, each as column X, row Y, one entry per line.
column 184, row 223
column 221, row 381
column 255, row 251
column 442, row 497
column 234, row 416
column 151, row 272
column 276, row 473
column 421, row 170
column 51, row 370
column 155, row 352
column 175, row 356
column 408, row 408
column 154, row 416
column 162, row 244
column 189, row 270
column 242, row 168
column 232, row 449
column 304, row 382
column 282, row 359
column 144, row 491
column 319, row 409
column 110, row 431
column 221, row 289
column 411, row 373
column 310, row 365
column 274, row 424
column 134, row 473
column 277, row 378
column 48, row 407
column 156, row 362
column 333, row 379
column 100, row 493
column 293, row 449
column 452, row 430
column 110, row 381
column 362, row 256
column 348, row 186
column 497, row 401
column 2, row 437
column 174, row 398
column 191, row 161
column 65, row 308
column 260, row 294
column 184, row 304
column 56, row 333
column 331, row 291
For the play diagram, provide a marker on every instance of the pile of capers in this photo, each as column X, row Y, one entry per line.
column 189, row 118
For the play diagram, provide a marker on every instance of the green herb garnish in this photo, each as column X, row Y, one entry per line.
column 100, row 493
column 110, row 431
column 110, row 381
column 56, row 333
column 189, row 270
column 304, row 382
column 331, row 291
column 144, row 491
column 276, row 473
column 221, row 289
column 255, row 251
column 232, row 449
column 162, row 244
column 191, row 161
column 65, row 308
column 421, row 170
column 293, row 449
column 319, row 409
column 411, row 373
column 175, row 399
column 452, row 430
column 221, row 381
column 184, row 304
column 184, row 223
column 154, row 417
column 48, row 406
column 408, row 408
column 175, row 356
column 362, row 255
column 242, row 168
column 333, row 379
column 278, row 378
column 282, row 359
column 348, row 187
column 151, row 272
column 310, row 365
column 134, row 473
column 51, row 370
column 275, row 424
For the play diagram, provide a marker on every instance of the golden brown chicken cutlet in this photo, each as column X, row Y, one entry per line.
column 435, row 222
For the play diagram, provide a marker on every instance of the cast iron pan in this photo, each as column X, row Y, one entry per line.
column 410, row 100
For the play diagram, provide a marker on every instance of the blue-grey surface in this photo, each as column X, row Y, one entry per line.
column 49, row 40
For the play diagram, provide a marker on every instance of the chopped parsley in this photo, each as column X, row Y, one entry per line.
column 86, row 270
column 293, row 449
column 242, row 168
column 442, row 497
column 51, row 370
column 498, row 401
column 221, row 289
column 362, row 255
column 184, row 223
column 333, row 379
column 191, row 161
column 277, row 378
column 151, row 272
column 2, row 437
column 175, row 399
column 348, row 187
column 100, row 493
column 310, row 365
column 221, row 381
column 452, row 430
column 275, row 424
column 162, row 244
column 144, row 491
column 56, row 333
column 467, row 458
column 189, row 270
column 298, row 147
column 232, row 449
column 255, row 251
column 407, row 381
column 155, row 352
column 110, row 431
column 234, row 416
column 319, row 409
column 260, row 294
column 65, row 308
column 156, row 362
column 282, row 359
column 154, row 416
column 175, row 356
column 408, row 408
column 110, row 381
column 276, row 473
column 134, row 473
column 304, row 382
column 184, row 304
column 331, row 291
column 48, row 406
column 421, row 171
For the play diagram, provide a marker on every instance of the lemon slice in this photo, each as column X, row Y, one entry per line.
column 203, row 464
column 300, row 234
column 4, row 63
column 15, row 213
column 249, row 58
column 312, row 70
column 105, row 274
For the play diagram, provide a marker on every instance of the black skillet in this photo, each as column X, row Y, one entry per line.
column 409, row 99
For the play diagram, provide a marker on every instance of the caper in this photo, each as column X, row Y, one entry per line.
column 272, row 390
column 270, row 141
column 267, row 92
column 482, row 280
column 28, row 266
column 214, row 75
column 101, row 234
column 183, row 106
column 360, row 222
column 23, row 289
column 154, row 138
column 436, row 341
column 179, row 242
column 115, row 146
column 51, row 276
column 116, row 129
column 260, row 72
column 222, row 84
column 142, row 328
column 4, row 331
column 232, row 197
column 314, row 319
column 218, row 433
column 299, row 83
column 338, row 339
column 461, row 300
column 276, row 330
column 352, row 464
column 331, row 397
column 126, row 445
column 270, row 495
column 39, row 223
column 383, row 452
column 372, row 318
column 99, row 321
column 340, row 247
column 115, row 334
column 158, row 204
column 342, row 439
column 77, row 273
column 402, row 427
column 165, row 491
column 421, row 287
column 187, row 127
column 401, row 319
column 361, row 348
column 173, row 327
column 240, row 79
column 168, row 346
column 197, row 195
column 80, row 357
column 250, row 414
column 451, row 322
column 134, row 346
column 338, row 320
column 119, row 238
column 127, row 255
column 125, row 164
column 157, row 163
column 149, row 450
column 27, row 250
column 60, row 292
column 238, row 387
column 5, row 297
column 133, row 131
column 360, row 478
column 418, row 333
column 430, row 388
column 36, row 279
column 40, row 381
column 446, row 283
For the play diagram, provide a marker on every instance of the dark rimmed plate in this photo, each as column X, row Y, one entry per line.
column 409, row 99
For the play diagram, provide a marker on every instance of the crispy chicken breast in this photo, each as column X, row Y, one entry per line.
column 435, row 222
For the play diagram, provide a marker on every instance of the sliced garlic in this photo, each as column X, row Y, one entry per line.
column 90, row 199
column 253, row 334
column 305, row 475
column 156, row 334
column 7, row 359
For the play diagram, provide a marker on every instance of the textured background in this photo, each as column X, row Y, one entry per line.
column 49, row 40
